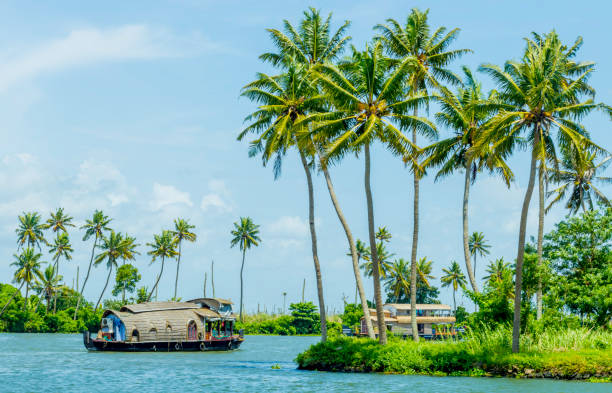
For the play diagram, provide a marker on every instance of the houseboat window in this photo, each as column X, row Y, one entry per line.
column 192, row 331
column 168, row 327
column 135, row 335
column 153, row 332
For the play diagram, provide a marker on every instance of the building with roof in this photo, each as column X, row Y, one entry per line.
column 398, row 320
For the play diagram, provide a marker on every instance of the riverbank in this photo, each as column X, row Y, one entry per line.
column 572, row 355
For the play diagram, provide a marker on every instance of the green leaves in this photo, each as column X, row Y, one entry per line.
column 245, row 234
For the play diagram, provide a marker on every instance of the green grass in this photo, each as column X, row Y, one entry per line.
column 572, row 354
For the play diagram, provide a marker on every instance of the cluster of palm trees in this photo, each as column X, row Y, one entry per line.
column 109, row 247
column 326, row 106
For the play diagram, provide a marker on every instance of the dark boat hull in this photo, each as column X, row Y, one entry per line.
column 226, row 344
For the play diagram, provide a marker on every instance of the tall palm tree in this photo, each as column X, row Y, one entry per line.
column 111, row 250
column 429, row 56
column 49, row 283
column 128, row 253
column 182, row 231
column 96, row 228
column 544, row 92
column 58, row 221
column 61, row 248
column 285, row 100
column 454, row 277
column 244, row 235
column 383, row 235
column 496, row 270
column 366, row 92
column 466, row 113
column 477, row 245
column 397, row 282
column 162, row 247
column 578, row 173
column 28, row 269
column 30, row 230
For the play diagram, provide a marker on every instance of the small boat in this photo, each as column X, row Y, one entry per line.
column 204, row 324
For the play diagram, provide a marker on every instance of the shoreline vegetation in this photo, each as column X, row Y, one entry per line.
column 577, row 354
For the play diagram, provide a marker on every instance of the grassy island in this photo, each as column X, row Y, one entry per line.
column 572, row 354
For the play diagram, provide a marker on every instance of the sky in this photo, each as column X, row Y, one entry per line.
column 134, row 108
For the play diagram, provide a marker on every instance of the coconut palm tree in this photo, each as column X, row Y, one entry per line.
column 182, row 231
column 58, row 221
column 496, row 270
column 49, row 283
column 454, row 277
column 30, row 230
column 244, row 235
column 477, row 245
column 545, row 93
column 61, row 248
column 466, row 113
column 28, row 269
column 366, row 92
column 424, row 268
column 162, row 247
column 384, row 261
column 383, row 235
column 578, row 174
column 111, row 250
column 397, row 283
column 95, row 227
column 429, row 55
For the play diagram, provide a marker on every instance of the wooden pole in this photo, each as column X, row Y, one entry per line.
column 212, row 276
column 205, row 277
column 303, row 287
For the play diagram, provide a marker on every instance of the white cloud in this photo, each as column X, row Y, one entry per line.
column 117, row 199
column 218, row 199
column 289, row 227
column 87, row 46
column 168, row 195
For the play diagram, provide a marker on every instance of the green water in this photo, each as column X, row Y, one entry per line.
column 59, row 363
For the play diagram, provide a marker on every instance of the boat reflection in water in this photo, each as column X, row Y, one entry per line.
column 204, row 324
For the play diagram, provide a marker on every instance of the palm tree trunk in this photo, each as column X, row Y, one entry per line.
column 466, row 244
column 11, row 299
column 516, row 328
column 349, row 236
column 415, row 242
column 123, row 291
column 25, row 301
column 380, row 315
column 93, row 249
column 540, row 239
column 110, row 270
column 178, row 263
column 156, row 282
column 242, row 283
column 56, row 270
column 315, row 256
column 454, row 302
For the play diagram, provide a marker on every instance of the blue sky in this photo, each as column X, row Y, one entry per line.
column 133, row 108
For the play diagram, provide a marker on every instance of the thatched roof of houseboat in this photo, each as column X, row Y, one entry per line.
column 157, row 306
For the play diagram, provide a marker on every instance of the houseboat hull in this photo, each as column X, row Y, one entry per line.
column 222, row 344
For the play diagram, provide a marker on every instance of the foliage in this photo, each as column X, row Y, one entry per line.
column 580, row 253
column 126, row 278
column 305, row 318
column 574, row 354
column 352, row 314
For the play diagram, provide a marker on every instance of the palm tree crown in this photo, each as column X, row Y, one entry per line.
column 58, row 221
column 453, row 276
column 245, row 234
column 30, row 230
column 96, row 226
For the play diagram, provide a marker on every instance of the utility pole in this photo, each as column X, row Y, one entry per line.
column 303, row 287
column 284, row 300
column 212, row 276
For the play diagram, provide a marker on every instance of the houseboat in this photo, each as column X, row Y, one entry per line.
column 204, row 324
column 433, row 320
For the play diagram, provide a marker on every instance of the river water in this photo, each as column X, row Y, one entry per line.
column 59, row 363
